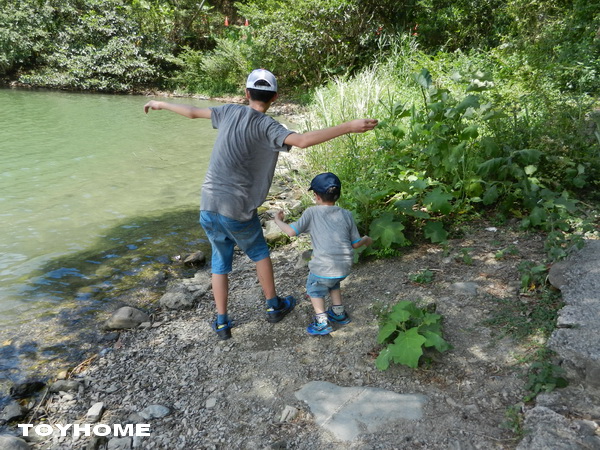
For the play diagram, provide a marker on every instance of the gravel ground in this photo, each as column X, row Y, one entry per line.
column 231, row 394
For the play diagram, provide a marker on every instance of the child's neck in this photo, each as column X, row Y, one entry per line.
column 322, row 203
column 259, row 106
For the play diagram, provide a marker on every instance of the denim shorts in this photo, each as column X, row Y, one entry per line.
column 224, row 233
column 319, row 287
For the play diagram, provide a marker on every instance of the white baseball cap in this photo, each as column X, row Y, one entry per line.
column 262, row 75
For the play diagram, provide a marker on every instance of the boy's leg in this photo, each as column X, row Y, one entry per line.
column 220, row 288
column 264, row 272
column 221, row 262
column 277, row 308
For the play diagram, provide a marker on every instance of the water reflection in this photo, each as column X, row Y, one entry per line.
column 68, row 295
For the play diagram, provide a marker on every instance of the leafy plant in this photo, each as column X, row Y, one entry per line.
column 423, row 277
column 543, row 376
column 405, row 331
column 533, row 276
column 511, row 250
column 465, row 256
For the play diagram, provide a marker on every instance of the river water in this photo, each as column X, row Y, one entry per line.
column 91, row 190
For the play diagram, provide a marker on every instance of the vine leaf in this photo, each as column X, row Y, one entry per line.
column 407, row 348
column 387, row 231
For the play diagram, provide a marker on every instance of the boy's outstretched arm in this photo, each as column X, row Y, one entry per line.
column 315, row 137
column 284, row 226
column 365, row 240
column 190, row 111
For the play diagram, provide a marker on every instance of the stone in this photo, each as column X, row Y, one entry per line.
column 95, row 412
column 273, row 234
column 197, row 258
column 289, row 413
column 64, row 386
column 126, row 317
column 26, row 389
column 557, row 274
column 13, row 443
column 348, row 411
column 465, row 288
column 13, row 411
column 547, row 429
column 123, row 443
column 177, row 300
column 154, row 412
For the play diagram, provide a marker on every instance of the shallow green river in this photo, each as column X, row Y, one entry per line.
column 91, row 191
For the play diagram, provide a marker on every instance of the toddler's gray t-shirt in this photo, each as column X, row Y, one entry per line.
column 332, row 231
column 242, row 162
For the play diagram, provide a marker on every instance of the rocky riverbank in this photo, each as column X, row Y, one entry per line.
column 196, row 392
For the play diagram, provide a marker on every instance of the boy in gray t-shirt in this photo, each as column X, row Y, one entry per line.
column 334, row 237
column 239, row 175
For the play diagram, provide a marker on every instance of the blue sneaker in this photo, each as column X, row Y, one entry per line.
column 319, row 329
column 223, row 330
column 342, row 319
column 287, row 305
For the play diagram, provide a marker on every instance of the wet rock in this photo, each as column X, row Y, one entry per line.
column 13, row 443
column 65, row 386
column 125, row 318
column 12, row 411
column 26, row 389
column 195, row 259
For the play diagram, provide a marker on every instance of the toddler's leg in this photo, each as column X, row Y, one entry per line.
column 337, row 312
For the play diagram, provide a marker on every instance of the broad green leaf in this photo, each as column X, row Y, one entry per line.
column 387, row 231
column 385, row 332
column 407, row 305
column 527, row 156
column 471, row 132
column 530, row 170
column 491, row 195
column 568, row 204
column 419, row 185
column 431, row 318
column 537, row 216
column 383, row 359
column 400, row 316
column 434, row 231
column 435, row 340
column 406, row 207
column 423, row 78
column 470, row 101
column 407, row 348
column 438, row 201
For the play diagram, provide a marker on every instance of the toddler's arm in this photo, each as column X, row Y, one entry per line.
column 365, row 240
column 279, row 217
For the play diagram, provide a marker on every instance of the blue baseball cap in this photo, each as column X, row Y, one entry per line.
column 325, row 181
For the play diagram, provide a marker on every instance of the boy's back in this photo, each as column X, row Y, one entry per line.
column 332, row 230
column 243, row 161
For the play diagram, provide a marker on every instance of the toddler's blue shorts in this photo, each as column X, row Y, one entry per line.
column 224, row 233
column 319, row 287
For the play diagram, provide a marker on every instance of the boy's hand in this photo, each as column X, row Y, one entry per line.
column 367, row 240
column 152, row 104
column 279, row 215
column 362, row 125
